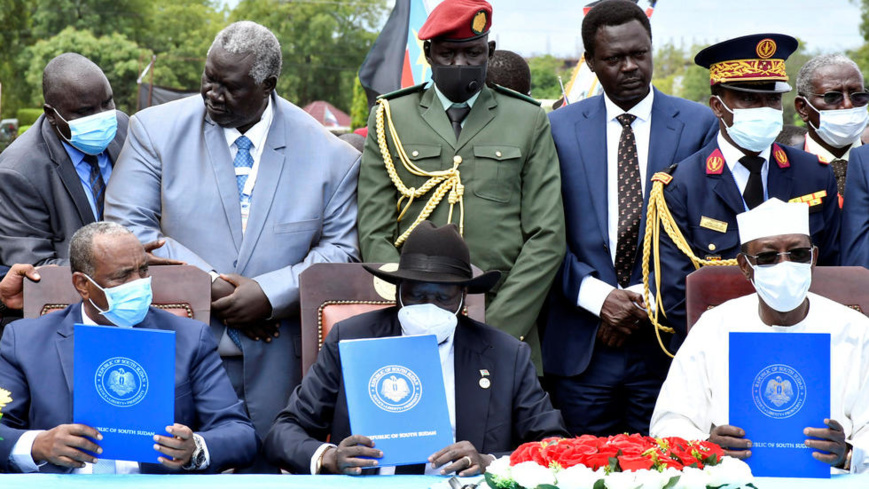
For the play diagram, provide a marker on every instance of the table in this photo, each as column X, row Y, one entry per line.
column 39, row 481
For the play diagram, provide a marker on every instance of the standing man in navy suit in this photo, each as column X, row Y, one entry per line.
column 601, row 359
column 742, row 168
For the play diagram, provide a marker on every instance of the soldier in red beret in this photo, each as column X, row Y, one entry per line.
column 457, row 151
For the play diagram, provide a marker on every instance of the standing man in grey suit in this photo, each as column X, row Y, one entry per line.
column 54, row 176
column 251, row 189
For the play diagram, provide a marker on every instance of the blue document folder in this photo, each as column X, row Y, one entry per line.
column 779, row 385
column 125, row 388
column 395, row 396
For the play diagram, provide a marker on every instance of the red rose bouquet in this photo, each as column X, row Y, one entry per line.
column 618, row 462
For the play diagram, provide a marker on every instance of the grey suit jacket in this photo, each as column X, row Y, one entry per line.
column 42, row 202
column 175, row 180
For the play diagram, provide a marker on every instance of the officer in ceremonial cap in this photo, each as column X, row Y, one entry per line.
column 457, row 151
column 738, row 171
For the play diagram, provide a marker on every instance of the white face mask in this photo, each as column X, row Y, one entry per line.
column 754, row 129
column 840, row 128
column 783, row 286
column 420, row 319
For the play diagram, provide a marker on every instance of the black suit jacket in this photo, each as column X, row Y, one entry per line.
column 512, row 411
column 42, row 202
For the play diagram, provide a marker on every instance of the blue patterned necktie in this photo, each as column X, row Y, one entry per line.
column 243, row 159
column 98, row 185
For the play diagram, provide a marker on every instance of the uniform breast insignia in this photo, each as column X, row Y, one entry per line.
column 662, row 177
column 780, row 156
column 813, row 199
column 713, row 224
column 715, row 163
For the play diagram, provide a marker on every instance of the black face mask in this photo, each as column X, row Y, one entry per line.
column 459, row 83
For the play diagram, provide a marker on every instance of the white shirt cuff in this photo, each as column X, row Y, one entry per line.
column 592, row 294
column 21, row 455
column 638, row 288
column 316, row 457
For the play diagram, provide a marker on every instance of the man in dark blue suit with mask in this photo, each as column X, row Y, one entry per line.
column 742, row 168
column 211, row 431
column 600, row 355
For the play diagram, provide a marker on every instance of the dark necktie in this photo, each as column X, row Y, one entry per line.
column 456, row 116
column 98, row 186
column 630, row 201
column 840, row 169
column 753, row 194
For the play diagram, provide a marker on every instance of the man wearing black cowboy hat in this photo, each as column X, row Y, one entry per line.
column 495, row 400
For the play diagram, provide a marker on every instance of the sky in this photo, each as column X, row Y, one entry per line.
column 534, row 27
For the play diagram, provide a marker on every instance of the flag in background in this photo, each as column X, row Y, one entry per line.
column 329, row 119
column 396, row 60
column 584, row 83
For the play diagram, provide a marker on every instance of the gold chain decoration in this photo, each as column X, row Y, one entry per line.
column 658, row 215
column 445, row 180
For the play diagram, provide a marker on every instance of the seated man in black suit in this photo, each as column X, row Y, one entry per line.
column 496, row 401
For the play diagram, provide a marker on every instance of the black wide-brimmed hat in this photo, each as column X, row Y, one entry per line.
column 437, row 255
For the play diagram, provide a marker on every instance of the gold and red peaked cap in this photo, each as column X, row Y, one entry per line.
column 753, row 63
column 458, row 20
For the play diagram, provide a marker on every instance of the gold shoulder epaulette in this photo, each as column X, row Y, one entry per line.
column 515, row 94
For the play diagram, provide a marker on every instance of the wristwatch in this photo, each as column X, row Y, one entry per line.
column 197, row 460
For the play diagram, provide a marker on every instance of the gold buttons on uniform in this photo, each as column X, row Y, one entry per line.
column 498, row 154
column 415, row 154
column 711, row 247
column 457, row 159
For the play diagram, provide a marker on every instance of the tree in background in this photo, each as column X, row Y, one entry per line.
column 359, row 108
column 323, row 44
column 114, row 53
column 545, row 71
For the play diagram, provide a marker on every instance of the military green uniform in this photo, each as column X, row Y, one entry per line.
column 513, row 215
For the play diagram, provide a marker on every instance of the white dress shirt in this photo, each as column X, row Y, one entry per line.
column 593, row 291
column 814, row 147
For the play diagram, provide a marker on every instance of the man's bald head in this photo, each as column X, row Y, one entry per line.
column 74, row 87
column 69, row 70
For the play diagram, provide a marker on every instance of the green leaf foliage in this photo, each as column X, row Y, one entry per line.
column 27, row 117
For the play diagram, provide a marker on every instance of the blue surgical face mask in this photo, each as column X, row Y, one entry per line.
column 127, row 303
column 754, row 129
column 92, row 134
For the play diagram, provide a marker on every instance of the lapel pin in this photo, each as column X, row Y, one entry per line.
column 485, row 383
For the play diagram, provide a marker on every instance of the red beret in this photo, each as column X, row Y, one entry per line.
column 458, row 20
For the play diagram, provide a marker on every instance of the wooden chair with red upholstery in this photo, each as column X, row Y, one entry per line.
column 711, row 286
column 332, row 292
column 183, row 290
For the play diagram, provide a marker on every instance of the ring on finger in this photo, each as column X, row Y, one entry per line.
column 468, row 459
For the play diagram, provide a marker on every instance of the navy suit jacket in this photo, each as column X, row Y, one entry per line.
column 512, row 411
column 695, row 193
column 679, row 128
column 854, row 242
column 36, row 367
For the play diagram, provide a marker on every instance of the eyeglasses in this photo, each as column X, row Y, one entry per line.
column 858, row 99
column 796, row 255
